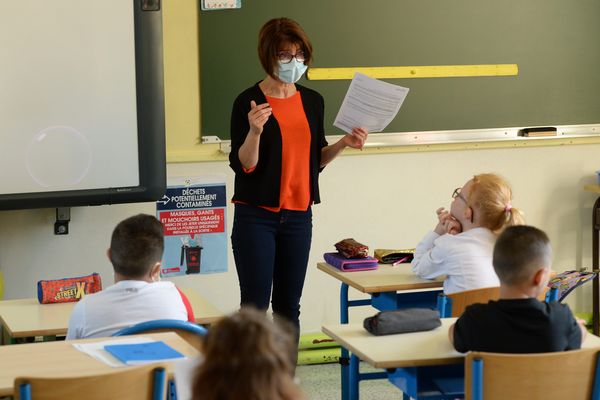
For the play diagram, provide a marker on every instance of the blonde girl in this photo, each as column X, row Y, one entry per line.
column 462, row 243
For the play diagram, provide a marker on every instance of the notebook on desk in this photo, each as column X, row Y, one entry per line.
column 143, row 353
column 350, row 264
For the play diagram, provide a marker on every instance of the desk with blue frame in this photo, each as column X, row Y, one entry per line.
column 26, row 318
column 390, row 288
column 420, row 364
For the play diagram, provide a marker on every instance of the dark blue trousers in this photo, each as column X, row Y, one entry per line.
column 271, row 251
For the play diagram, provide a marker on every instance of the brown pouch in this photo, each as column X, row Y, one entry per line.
column 350, row 248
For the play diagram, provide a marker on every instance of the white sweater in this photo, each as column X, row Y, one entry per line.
column 465, row 259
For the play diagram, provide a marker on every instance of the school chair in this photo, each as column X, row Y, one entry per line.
column 550, row 376
column 453, row 305
column 133, row 383
column 191, row 333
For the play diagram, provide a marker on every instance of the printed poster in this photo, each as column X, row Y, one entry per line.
column 193, row 214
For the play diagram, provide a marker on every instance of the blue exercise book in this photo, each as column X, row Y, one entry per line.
column 142, row 353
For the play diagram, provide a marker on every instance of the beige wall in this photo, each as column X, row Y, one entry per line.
column 383, row 200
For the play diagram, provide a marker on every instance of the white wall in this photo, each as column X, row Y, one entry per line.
column 385, row 200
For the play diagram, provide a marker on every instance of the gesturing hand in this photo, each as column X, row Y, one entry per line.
column 258, row 116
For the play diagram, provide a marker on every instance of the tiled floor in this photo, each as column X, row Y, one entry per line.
column 322, row 382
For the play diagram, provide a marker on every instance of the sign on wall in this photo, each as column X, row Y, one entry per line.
column 193, row 214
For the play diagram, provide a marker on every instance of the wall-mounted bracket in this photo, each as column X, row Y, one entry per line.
column 63, row 216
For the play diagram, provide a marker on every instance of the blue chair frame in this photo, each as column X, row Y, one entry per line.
column 162, row 324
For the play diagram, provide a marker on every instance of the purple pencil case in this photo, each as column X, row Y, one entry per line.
column 350, row 264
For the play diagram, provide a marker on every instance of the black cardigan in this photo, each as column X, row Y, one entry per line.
column 261, row 187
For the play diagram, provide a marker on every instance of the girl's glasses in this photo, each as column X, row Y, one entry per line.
column 456, row 194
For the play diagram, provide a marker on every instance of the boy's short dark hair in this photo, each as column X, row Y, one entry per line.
column 136, row 245
column 520, row 251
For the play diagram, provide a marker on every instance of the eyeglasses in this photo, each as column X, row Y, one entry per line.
column 456, row 194
column 285, row 57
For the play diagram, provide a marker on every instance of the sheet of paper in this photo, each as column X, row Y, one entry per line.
column 96, row 349
column 369, row 103
column 184, row 372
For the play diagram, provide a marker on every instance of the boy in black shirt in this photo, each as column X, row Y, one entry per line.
column 519, row 322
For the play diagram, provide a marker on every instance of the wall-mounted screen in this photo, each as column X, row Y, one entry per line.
column 81, row 103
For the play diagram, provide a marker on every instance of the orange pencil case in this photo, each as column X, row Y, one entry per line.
column 68, row 289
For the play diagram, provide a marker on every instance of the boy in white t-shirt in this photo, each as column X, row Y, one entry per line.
column 138, row 295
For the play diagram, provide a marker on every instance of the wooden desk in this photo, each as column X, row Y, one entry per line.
column 386, row 278
column 595, row 188
column 408, row 350
column 61, row 359
column 206, row 313
column 27, row 318
column 383, row 284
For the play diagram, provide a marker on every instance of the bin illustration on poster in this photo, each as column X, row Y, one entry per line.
column 193, row 214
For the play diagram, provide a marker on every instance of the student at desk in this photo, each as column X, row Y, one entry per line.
column 135, row 252
column 461, row 244
column 519, row 322
column 247, row 356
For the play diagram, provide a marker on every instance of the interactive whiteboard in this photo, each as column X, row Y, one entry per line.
column 81, row 102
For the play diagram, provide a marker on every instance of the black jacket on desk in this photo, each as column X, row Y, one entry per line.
column 261, row 187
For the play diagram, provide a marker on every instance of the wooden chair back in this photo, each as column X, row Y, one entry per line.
column 549, row 376
column 461, row 300
column 132, row 383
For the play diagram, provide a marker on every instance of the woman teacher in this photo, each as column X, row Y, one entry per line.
column 278, row 149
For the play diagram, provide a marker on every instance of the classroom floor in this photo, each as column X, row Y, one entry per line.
column 322, row 382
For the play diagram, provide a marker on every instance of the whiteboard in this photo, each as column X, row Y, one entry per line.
column 69, row 112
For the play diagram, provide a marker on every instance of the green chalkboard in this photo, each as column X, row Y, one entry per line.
column 556, row 44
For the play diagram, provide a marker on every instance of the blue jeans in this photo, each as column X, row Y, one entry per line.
column 271, row 251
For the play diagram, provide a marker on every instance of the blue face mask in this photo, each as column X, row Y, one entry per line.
column 291, row 72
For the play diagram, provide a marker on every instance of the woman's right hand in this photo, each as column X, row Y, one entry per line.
column 258, row 116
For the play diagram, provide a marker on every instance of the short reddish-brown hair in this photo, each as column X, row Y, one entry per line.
column 277, row 33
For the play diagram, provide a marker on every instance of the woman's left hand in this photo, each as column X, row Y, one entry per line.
column 357, row 138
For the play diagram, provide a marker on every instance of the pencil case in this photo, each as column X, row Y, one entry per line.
column 350, row 248
column 350, row 264
column 566, row 281
column 391, row 256
column 402, row 321
column 68, row 289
